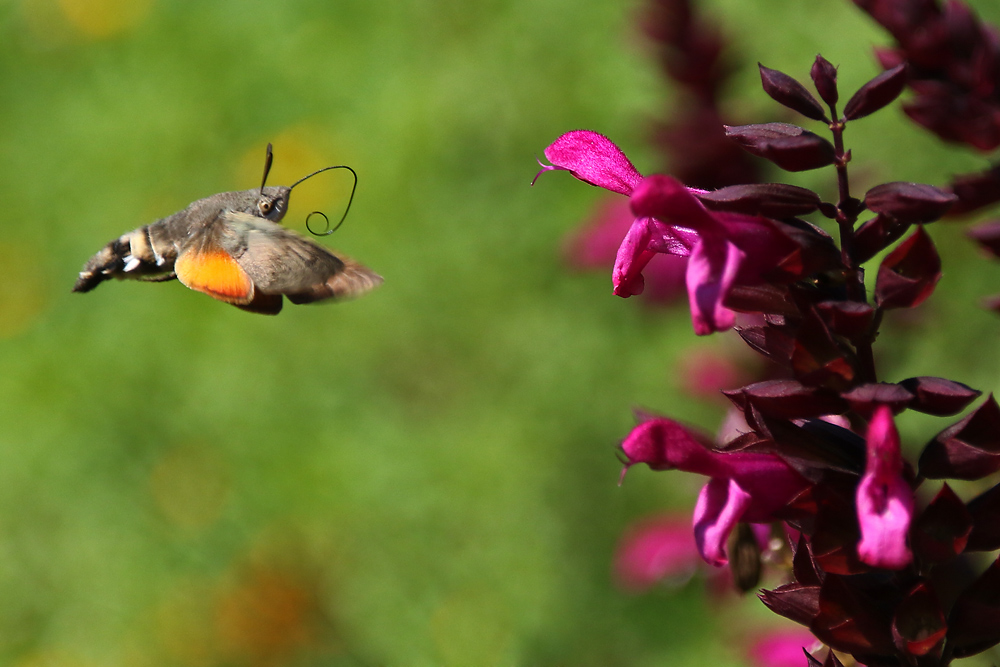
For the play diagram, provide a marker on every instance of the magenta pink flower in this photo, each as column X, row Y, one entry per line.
column 722, row 248
column 782, row 648
column 744, row 486
column 884, row 499
column 705, row 373
column 653, row 550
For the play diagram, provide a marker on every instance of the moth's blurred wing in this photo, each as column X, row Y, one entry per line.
column 279, row 261
column 351, row 281
column 265, row 304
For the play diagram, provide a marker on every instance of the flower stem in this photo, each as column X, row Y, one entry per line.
column 848, row 209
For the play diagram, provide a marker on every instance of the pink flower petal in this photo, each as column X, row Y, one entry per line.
column 594, row 159
column 721, row 505
column 712, row 269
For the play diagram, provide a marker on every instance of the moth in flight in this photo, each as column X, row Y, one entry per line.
column 231, row 247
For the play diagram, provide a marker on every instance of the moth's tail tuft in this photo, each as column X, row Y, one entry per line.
column 88, row 280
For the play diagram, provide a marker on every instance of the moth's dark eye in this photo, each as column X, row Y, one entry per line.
column 265, row 206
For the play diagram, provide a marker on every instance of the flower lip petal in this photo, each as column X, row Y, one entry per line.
column 884, row 499
column 633, row 256
column 594, row 159
column 644, row 240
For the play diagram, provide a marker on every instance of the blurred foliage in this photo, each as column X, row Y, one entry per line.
column 425, row 476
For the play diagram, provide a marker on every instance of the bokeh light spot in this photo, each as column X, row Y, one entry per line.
column 471, row 628
column 24, row 290
column 189, row 486
column 183, row 624
column 52, row 658
column 100, row 19
column 267, row 617
column 46, row 24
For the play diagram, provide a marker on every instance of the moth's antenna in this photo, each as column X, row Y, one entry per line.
column 354, row 187
column 267, row 168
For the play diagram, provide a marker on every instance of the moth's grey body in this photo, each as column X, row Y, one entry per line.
column 155, row 246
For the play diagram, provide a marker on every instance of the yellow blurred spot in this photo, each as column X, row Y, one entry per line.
column 100, row 19
column 184, row 628
column 133, row 654
column 52, row 658
column 24, row 290
column 299, row 151
column 189, row 487
column 471, row 628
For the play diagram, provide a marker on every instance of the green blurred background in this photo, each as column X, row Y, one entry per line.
column 425, row 476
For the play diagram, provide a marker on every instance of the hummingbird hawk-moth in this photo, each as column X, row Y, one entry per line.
column 231, row 247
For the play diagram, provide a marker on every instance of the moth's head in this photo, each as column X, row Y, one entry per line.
column 271, row 202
